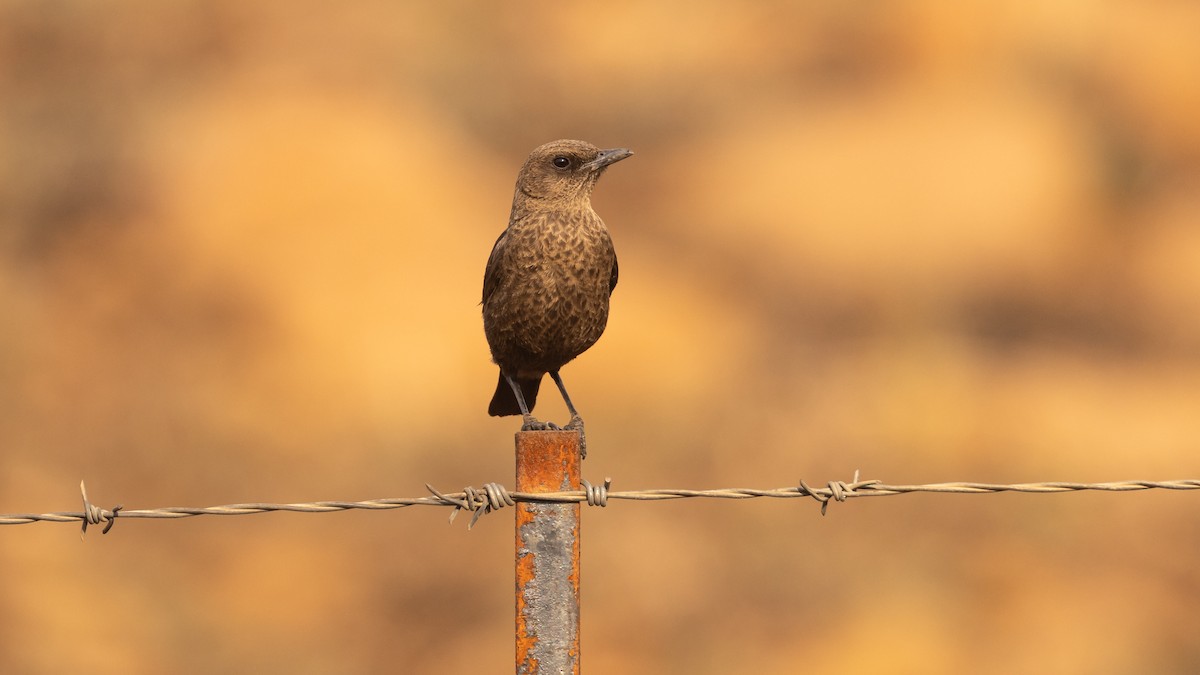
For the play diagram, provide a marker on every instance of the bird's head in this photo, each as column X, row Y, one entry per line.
column 563, row 173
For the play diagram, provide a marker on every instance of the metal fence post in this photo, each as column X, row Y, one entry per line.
column 547, row 555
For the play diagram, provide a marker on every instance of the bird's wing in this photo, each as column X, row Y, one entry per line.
column 612, row 282
column 491, row 274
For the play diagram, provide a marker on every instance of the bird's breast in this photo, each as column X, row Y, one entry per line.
column 554, row 298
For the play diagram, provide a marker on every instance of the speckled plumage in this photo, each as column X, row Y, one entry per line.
column 550, row 274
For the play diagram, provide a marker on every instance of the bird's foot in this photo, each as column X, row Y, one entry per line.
column 534, row 424
column 576, row 424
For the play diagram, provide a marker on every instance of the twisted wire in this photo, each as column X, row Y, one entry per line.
column 494, row 496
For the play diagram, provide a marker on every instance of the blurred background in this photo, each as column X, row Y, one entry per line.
column 241, row 253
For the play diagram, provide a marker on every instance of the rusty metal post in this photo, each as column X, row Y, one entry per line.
column 547, row 555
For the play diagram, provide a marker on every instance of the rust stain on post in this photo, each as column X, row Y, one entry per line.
column 547, row 555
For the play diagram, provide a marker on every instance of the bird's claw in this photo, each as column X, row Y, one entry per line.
column 576, row 424
column 534, row 424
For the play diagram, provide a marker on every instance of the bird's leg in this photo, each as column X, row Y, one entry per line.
column 576, row 422
column 531, row 423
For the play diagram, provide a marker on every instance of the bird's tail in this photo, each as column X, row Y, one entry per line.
column 504, row 401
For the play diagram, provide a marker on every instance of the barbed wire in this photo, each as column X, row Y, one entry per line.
column 494, row 496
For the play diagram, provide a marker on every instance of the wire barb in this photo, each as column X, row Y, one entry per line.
column 837, row 490
column 494, row 498
column 458, row 504
column 597, row 495
column 94, row 515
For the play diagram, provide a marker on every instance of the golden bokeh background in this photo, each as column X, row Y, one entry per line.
column 241, row 251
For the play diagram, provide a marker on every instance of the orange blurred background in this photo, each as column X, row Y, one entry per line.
column 241, row 254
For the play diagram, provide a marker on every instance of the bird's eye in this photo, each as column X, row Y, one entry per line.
column 562, row 162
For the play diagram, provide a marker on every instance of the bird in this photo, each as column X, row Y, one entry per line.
column 549, row 277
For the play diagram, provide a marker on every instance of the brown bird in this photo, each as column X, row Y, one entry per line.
column 549, row 277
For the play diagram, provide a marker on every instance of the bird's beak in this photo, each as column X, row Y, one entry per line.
column 607, row 157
